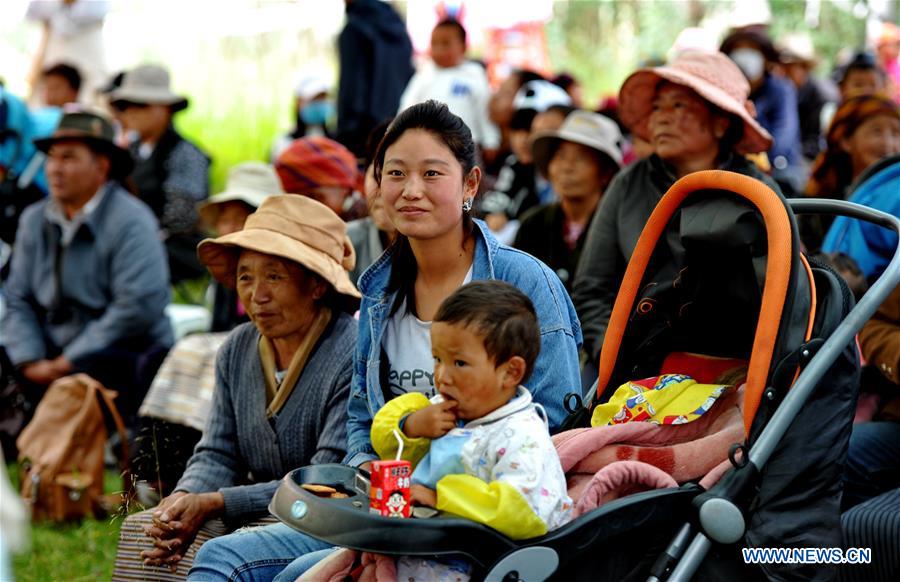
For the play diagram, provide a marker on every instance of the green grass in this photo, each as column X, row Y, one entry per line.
column 82, row 551
column 79, row 551
column 191, row 292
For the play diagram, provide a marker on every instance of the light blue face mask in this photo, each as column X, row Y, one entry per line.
column 317, row 112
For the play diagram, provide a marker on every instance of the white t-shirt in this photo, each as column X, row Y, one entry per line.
column 465, row 90
column 407, row 344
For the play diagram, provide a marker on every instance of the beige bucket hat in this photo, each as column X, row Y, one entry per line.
column 247, row 182
column 593, row 130
column 713, row 76
column 296, row 228
column 148, row 84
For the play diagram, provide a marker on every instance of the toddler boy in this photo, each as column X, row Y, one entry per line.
column 482, row 451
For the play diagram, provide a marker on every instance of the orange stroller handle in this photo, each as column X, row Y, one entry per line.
column 778, row 274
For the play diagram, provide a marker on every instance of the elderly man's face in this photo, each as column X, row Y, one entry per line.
column 74, row 172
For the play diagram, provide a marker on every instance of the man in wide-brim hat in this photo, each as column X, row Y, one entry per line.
column 97, row 134
column 147, row 85
column 171, row 174
column 88, row 281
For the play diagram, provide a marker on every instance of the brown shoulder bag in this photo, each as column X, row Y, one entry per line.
column 61, row 451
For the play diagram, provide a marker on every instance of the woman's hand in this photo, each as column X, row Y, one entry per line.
column 432, row 421
column 176, row 521
column 422, row 495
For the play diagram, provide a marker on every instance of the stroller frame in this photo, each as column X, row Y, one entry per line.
column 718, row 511
column 720, row 518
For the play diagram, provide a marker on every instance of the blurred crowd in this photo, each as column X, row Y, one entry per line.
column 103, row 210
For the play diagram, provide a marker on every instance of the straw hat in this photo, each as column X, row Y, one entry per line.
column 148, row 84
column 593, row 130
column 296, row 228
column 713, row 76
column 96, row 131
column 248, row 182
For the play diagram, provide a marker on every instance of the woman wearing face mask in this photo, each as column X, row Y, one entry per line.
column 696, row 115
column 776, row 104
column 313, row 112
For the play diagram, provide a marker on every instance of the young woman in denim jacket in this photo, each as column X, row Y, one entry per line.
column 428, row 177
column 426, row 169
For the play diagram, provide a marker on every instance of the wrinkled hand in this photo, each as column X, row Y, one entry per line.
column 422, row 495
column 432, row 421
column 176, row 521
column 45, row 372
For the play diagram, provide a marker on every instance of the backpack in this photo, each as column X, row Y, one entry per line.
column 61, row 451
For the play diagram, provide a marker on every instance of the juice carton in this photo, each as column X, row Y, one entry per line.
column 389, row 491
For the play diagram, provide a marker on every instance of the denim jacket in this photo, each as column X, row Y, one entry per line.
column 556, row 371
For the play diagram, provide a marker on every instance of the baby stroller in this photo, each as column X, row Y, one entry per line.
column 717, row 271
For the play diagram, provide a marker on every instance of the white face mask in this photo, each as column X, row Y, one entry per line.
column 750, row 61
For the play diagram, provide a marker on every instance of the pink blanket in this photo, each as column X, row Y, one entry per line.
column 608, row 462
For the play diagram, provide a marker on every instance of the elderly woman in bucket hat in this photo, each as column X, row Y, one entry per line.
column 579, row 159
column 175, row 410
column 282, row 381
column 696, row 114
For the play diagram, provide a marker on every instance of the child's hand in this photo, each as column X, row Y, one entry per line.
column 422, row 495
column 432, row 421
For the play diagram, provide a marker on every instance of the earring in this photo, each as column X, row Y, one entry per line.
column 467, row 205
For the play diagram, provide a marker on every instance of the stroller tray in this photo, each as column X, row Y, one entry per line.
column 346, row 521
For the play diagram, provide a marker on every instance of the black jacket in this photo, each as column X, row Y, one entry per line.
column 541, row 235
column 225, row 316
column 375, row 66
column 172, row 181
column 613, row 233
column 811, row 98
